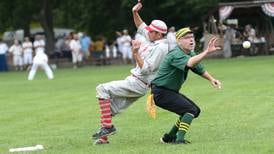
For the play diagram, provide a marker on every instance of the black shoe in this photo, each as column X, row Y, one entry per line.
column 104, row 132
column 182, row 142
column 168, row 138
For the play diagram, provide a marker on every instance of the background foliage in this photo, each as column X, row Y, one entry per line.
column 99, row 16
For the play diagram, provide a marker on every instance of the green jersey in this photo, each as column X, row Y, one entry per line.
column 173, row 69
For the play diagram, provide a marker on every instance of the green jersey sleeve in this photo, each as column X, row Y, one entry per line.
column 198, row 68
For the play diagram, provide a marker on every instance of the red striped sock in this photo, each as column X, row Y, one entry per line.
column 106, row 119
column 104, row 138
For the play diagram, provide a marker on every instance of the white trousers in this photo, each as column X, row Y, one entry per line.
column 44, row 66
column 77, row 57
column 127, row 53
column 122, row 93
column 17, row 60
column 27, row 58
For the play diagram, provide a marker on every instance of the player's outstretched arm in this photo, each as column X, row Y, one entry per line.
column 210, row 48
column 136, row 17
column 214, row 82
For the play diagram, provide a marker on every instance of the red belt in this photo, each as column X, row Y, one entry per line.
column 139, row 79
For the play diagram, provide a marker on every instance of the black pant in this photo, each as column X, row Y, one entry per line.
column 174, row 101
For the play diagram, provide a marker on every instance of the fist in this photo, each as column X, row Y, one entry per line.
column 135, row 45
column 137, row 7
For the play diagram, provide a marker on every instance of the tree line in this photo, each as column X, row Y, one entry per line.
column 98, row 16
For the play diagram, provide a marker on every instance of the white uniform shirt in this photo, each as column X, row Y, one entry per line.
column 16, row 50
column 171, row 39
column 39, row 46
column 40, row 58
column 3, row 48
column 75, row 45
column 27, row 47
column 125, row 40
column 152, row 53
column 140, row 38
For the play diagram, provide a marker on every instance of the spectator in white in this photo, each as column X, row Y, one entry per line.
column 3, row 60
column 85, row 44
column 17, row 53
column 40, row 59
column 171, row 38
column 229, row 36
column 126, row 47
column 27, row 51
column 107, row 54
column 75, row 47
column 114, row 50
column 119, row 42
column 250, row 34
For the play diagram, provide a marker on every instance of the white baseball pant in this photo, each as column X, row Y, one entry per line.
column 127, row 53
column 17, row 60
column 122, row 93
column 27, row 58
column 44, row 66
column 77, row 57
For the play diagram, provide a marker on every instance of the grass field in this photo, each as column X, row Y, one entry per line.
column 61, row 114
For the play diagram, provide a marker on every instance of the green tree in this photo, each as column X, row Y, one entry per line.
column 99, row 16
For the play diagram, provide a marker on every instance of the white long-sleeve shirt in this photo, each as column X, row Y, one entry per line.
column 27, row 47
column 75, row 45
column 3, row 48
column 16, row 50
column 152, row 53
column 39, row 46
column 171, row 39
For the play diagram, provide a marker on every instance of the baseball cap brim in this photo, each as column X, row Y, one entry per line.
column 153, row 27
column 149, row 29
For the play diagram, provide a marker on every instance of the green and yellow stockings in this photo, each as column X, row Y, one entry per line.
column 181, row 126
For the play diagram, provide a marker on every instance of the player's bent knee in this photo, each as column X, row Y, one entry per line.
column 197, row 111
column 101, row 92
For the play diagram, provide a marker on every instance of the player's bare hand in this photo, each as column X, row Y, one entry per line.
column 135, row 45
column 212, row 45
column 216, row 83
column 137, row 7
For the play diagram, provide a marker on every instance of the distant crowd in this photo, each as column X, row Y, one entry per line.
column 79, row 48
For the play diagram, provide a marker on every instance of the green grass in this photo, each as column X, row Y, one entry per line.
column 61, row 114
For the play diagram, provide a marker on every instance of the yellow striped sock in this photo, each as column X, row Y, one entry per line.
column 178, row 123
column 184, row 126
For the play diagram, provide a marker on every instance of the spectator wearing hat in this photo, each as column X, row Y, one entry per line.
column 171, row 76
column 115, row 96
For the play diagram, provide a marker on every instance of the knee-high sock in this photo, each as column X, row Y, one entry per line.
column 106, row 119
column 184, row 126
column 175, row 128
column 104, row 138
